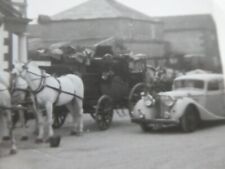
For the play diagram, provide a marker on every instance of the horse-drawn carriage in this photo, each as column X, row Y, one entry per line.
column 108, row 80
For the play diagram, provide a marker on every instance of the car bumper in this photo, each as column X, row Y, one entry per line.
column 155, row 121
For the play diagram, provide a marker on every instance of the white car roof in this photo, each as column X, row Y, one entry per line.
column 204, row 77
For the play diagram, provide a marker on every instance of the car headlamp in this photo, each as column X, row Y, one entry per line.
column 148, row 100
column 168, row 100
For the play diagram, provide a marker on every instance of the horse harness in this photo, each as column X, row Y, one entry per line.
column 43, row 85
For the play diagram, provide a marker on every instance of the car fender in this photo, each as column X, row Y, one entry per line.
column 140, row 109
column 181, row 105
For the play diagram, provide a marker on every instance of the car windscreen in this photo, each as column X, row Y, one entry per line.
column 190, row 83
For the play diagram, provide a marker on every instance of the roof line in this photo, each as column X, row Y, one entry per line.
column 117, row 4
column 119, row 9
column 89, row 19
column 184, row 15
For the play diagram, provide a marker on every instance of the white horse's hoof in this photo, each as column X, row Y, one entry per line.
column 39, row 140
column 24, row 138
column 13, row 151
column 76, row 133
column 35, row 132
column 5, row 138
column 47, row 140
column 54, row 141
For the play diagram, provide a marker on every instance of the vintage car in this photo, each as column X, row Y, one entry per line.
column 194, row 98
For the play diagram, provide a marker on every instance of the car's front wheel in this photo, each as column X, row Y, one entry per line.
column 190, row 119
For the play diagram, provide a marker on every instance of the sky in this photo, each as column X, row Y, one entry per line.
column 149, row 7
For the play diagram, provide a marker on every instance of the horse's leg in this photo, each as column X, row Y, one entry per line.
column 70, row 108
column 77, row 113
column 35, row 132
column 40, row 126
column 35, row 109
column 36, row 129
column 4, row 133
column 39, row 122
column 5, row 128
column 1, row 126
column 80, row 112
column 13, row 149
column 49, row 109
column 22, row 120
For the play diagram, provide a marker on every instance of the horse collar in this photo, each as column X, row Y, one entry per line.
column 41, row 84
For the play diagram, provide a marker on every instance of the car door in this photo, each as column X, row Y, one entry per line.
column 215, row 101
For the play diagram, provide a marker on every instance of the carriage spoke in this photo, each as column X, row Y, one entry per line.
column 104, row 112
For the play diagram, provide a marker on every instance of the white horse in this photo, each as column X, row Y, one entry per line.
column 5, row 78
column 49, row 91
column 18, row 89
column 7, row 97
column 6, row 116
column 20, row 93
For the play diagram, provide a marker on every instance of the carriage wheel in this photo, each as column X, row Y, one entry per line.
column 135, row 95
column 104, row 112
column 59, row 117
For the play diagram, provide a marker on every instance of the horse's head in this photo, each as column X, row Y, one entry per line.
column 20, row 69
column 18, row 82
column 17, row 69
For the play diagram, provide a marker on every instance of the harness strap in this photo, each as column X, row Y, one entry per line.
column 19, row 89
column 41, row 85
column 59, row 91
column 71, row 94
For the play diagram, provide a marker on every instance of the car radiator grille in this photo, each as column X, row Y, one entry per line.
column 163, row 108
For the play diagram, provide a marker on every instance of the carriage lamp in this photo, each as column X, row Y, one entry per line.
column 168, row 100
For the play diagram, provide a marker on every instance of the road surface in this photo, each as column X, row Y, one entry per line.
column 123, row 146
